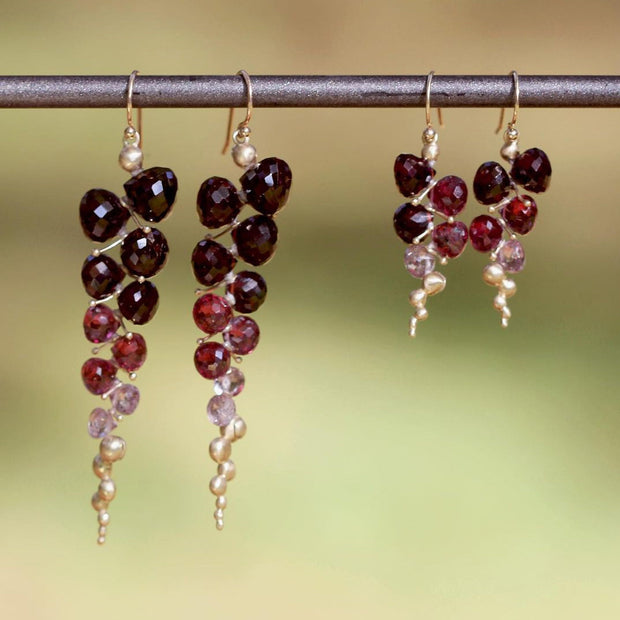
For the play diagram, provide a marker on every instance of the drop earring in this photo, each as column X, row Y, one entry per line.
column 265, row 186
column 511, row 213
column 428, row 243
column 104, row 217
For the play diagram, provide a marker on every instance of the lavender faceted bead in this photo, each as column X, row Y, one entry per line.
column 231, row 383
column 511, row 256
column 221, row 410
column 100, row 423
column 418, row 260
column 125, row 399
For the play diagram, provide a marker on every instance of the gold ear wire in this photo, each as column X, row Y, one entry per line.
column 248, row 113
column 130, row 85
column 429, row 80
column 515, row 111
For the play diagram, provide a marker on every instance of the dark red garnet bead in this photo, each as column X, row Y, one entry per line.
column 491, row 183
column 243, row 335
column 256, row 239
column 101, row 275
column 144, row 253
column 212, row 360
column 100, row 323
column 138, row 302
column 98, row 375
column 102, row 214
column 485, row 233
column 449, row 195
column 450, row 238
column 249, row 290
column 532, row 170
column 410, row 221
column 218, row 203
column 520, row 214
column 412, row 174
column 211, row 261
column 130, row 353
column 212, row 313
column 152, row 193
column 267, row 185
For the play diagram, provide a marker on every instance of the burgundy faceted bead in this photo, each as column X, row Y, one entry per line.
column 242, row 336
column 218, row 203
column 449, row 195
column 485, row 233
column 98, row 375
column 102, row 214
column 138, row 302
column 101, row 275
column 152, row 193
column 267, row 185
column 211, row 261
column 249, row 290
column 212, row 313
column 450, row 238
column 256, row 239
column 410, row 221
column 532, row 170
column 130, row 353
column 100, row 323
column 212, row 360
column 144, row 253
column 520, row 214
column 491, row 183
column 412, row 174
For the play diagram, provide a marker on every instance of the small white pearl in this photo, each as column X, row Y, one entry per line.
column 218, row 485
column 421, row 314
column 101, row 540
column 227, row 469
column 103, row 517
column 413, row 323
column 130, row 158
column 101, row 468
column 499, row 302
column 221, row 502
column 218, row 514
column 219, row 524
column 493, row 274
column 239, row 427
column 220, row 449
column 508, row 288
column 107, row 490
column 98, row 502
column 102, row 530
column 112, row 448
column 418, row 297
column 434, row 282
column 244, row 155
column 510, row 151
column 506, row 312
column 430, row 151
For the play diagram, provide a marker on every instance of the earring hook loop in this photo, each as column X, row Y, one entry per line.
column 515, row 109
column 429, row 81
column 130, row 89
column 244, row 124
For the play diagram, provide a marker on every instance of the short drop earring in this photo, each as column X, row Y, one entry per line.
column 510, row 212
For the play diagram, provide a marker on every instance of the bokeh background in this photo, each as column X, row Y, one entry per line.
column 471, row 473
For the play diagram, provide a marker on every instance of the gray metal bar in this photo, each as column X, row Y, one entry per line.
column 308, row 91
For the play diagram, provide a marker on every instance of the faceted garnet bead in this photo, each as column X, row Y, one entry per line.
column 212, row 313
column 144, row 253
column 138, row 302
column 511, row 256
column 532, row 170
column 412, row 174
column 249, row 290
column 218, row 203
column 520, row 214
column 242, row 336
column 449, row 195
column 211, row 261
column 267, row 185
column 130, row 353
column 100, row 323
column 102, row 214
column 491, row 183
column 256, row 239
column 101, row 275
column 485, row 233
column 450, row 238
column 410, row 221
column 418, row 260
column 152, row 193
column 212, row 360
column 98, row 375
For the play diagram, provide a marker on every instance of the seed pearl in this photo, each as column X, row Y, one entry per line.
column 227, row 469
column 130, row 158
column 102, row 530
column 101, row 468
column 101, row 540
column 221, row 502
column 219, row 514
column 499, row 302
column 239, row 427
column 506, row 312
column 428, row 135
column 112, row 448
column 218, row 485
column 104, row 517
column 220, row 449
column 98, row 502
column 421, row 314
column 504, row 322
column 418, row 297
column 430, row 152
column 493, row 274
column 434, row 282
column 510, row 151
column 508, row 288
column 244, row 155
column 107, row 490
column 413, row 322
column 219, row 524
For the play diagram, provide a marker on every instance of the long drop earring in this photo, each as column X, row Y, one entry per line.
column 413, row 220
column 104, row 217
column 265, row 186
column 510, row 212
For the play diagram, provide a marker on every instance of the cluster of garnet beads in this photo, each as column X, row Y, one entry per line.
column 265, row 186
column 104, row 217
column 511, row 214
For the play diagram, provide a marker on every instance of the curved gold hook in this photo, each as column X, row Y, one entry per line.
column 130, row 85
column 248, row 113
column 429, row 80
column 515, row 111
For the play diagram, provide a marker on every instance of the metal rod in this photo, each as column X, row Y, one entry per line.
column 308, row 91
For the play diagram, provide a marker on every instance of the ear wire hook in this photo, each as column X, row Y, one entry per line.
column 130, row 86
column 243, row 126
column 515, row 111
column 429, row 80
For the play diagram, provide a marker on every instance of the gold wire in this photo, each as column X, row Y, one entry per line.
column 515, row 110
column 248, row 113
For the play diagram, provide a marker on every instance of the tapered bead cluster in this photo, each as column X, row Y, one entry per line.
column 104, row 217
column 265, row 186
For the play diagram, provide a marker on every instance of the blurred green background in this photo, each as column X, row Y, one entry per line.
column 471, row 473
